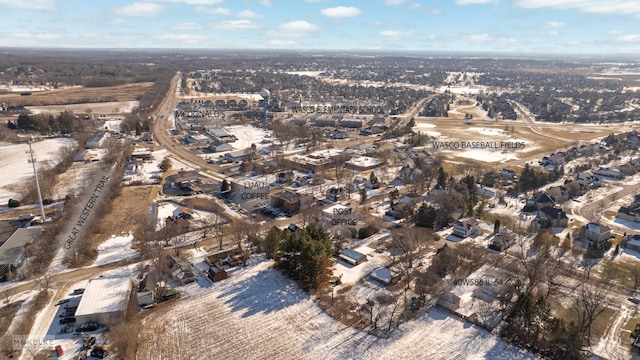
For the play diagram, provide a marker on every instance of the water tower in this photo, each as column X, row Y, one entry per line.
column 265, row 96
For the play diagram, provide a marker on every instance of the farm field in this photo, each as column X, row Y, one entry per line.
column 128, row 92
column 111, row 107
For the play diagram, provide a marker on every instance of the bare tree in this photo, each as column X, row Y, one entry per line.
column 43, row 282
column 588, row 305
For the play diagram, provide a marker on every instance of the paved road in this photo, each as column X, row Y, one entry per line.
column 160, row 129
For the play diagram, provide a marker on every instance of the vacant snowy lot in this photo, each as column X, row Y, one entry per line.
column 259, row 314
column 14, row 166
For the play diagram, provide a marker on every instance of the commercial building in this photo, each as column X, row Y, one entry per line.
column 104, row 300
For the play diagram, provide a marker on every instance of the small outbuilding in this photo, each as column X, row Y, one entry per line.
column 352, row 257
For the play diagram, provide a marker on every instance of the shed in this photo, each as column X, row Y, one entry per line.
column 352, row 257
column 382, row 275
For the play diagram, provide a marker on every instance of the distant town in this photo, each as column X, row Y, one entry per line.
column 166, row 205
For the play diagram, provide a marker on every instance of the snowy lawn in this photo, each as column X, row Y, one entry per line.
column 259, row 314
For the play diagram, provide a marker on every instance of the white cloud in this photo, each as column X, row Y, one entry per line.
column 555, row 24
column 614, row 7
column 415, row 6
column 181, row 38
column 280, row 42
column 472, row 2
column 341, row 12
column 614, row 32
column 265, row 3
column 394, row 35
column 29, row 4
column 236, row 25
column 185, row 27
column 248, row 14
column 297, row 28
column 140, row 9
column 480, row 37
column 214, row 11
column 394, row 2
column 629, row 38
column 195, row 2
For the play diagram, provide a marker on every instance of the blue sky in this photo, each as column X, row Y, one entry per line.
column 516, row 26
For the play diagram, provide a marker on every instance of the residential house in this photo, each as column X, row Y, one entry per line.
column 559, row 194
column 594, row 235
column 609, row 173
column 180, row 270
column 550, row 216
column 538, row 201
column 12, row 251
column 631, row 242
column 217, row 273
column 466, row 227
column 502, row 240
column 631, row 212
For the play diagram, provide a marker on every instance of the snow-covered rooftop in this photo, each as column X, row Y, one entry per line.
column 104, row 295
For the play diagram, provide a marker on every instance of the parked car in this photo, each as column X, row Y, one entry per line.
column 634, row 300
column 78, row 291
column 88, row 342
column 67, row 320
column 90, row 326
column 63, row 301
column 59, row 351
column 99, row 352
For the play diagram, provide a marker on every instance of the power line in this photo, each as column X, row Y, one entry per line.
column 32, row 160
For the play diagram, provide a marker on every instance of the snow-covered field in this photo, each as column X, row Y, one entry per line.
column 488, row 155
column 259, row 314
column 14, row 166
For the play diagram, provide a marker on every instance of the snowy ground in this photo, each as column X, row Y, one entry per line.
column 246, row 135
column 148, row 172
column 166, row 208
column 259, row 305
column 114, row 249
column 14, row 166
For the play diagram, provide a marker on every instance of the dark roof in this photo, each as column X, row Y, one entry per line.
column 553, row 213
column 543, row 198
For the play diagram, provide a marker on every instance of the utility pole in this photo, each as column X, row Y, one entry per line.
column 32, row 160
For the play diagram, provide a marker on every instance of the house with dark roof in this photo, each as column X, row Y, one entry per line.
column 550, row 216
column 538, row 201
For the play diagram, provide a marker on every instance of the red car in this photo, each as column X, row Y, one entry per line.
column 59, row 351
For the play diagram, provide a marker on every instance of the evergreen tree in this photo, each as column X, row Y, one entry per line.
column 442, row 177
